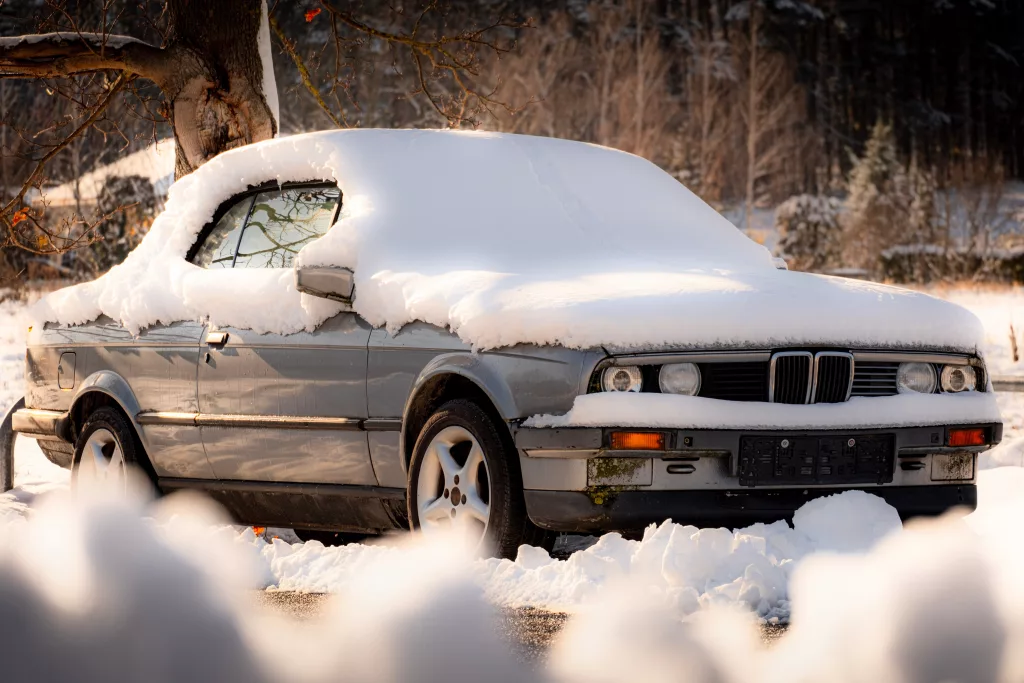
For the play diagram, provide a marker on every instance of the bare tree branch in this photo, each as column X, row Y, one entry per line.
column 455, row 56
column 53, row 55
column 12, row 209
column 289, row 48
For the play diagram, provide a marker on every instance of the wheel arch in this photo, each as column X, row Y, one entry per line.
column 447, row 379
column 103, row 388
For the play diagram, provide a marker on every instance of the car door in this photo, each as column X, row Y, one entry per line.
column 283, row 407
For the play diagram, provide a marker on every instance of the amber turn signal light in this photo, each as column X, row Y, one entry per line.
column 638, row 441
column 966, row 437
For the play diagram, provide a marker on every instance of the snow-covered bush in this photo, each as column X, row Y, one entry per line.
column 926, row 263
column 809, row 231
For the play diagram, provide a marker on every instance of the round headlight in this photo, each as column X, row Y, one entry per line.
column 916, row 378
column 679, row 378
column 622, row 378
column 959, row 378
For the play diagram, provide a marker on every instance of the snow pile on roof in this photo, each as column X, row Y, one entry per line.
column 505, row 239
column 155, row 163
column 99, row 585
column 610, row 409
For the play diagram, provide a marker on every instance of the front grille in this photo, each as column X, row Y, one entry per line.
column 874, row 379
column 747, row 381
column 790, row 377
column 832, row 377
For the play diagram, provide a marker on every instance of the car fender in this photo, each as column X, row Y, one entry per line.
column 518, row 382
column 116, row 387
column 471, row 367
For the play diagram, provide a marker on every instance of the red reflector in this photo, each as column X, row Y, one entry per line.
column 966, row 437
column 638, row 441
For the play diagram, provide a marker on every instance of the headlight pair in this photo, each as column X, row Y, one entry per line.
column 922, row 378
column 673, row 378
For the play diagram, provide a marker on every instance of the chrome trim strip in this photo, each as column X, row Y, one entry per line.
column 771, row 373
column 250, row 421
column 279, row 422
column 910, row 356
column 688, row 357
column 160, row 418
column 383, row 424
column 849, row 383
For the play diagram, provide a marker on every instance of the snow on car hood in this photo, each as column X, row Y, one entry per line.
column 505, row 239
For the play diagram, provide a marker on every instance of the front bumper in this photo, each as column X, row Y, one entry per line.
column 575, row 481
column 576, row 512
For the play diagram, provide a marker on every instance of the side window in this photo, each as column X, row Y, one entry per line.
column 218, row 251
column 282, row 222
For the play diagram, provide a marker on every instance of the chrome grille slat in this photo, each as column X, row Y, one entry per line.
column 790, row 377
column 833, row 376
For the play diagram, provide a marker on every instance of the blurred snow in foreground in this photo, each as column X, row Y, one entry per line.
column 95, row 590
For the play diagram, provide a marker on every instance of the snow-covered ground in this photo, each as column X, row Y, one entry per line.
column 686, row 569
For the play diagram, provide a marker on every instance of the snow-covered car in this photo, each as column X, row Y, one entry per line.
column 366, row 330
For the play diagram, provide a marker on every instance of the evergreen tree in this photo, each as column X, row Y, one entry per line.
column 879, row 201
column 809, row 232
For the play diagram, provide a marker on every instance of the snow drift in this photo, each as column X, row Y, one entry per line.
column 504, row 239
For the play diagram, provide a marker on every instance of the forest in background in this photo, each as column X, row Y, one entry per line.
column 880, row 132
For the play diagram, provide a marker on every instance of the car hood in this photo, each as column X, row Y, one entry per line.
column 735, row 310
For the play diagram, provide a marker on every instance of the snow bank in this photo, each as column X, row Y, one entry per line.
column 689, row 568
column 505, row 239
column 695, row 412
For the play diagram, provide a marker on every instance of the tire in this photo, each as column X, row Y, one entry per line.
column 507, row 525
column 105, row 430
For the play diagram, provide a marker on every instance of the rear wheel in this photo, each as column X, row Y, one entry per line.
column 464, row 474
column 105, row 449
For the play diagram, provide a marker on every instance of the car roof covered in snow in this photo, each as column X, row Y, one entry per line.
column 505, row 239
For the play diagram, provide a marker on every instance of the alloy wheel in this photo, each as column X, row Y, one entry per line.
column 453, row 486
column 102, row 461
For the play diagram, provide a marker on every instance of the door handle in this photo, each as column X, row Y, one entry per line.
column 216, row 338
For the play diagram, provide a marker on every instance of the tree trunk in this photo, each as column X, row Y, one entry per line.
column 752, row 112
column 217, row 92
column 215, row 72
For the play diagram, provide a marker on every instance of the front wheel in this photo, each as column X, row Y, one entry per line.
column 464, row 474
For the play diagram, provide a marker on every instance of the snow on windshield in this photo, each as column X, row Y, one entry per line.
column 505, row 239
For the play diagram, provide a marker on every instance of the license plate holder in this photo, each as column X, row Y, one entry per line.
column 778, row 459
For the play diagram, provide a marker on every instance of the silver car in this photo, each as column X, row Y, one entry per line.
column 352, row 428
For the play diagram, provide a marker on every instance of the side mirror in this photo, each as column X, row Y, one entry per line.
column 337, row 284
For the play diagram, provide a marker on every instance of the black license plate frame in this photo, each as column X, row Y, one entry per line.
column 825, row 459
